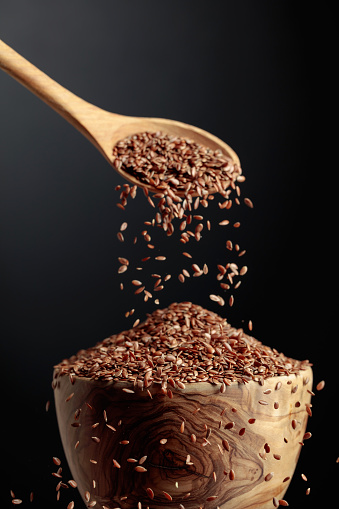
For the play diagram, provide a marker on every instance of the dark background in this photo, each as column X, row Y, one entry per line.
column 255, row 74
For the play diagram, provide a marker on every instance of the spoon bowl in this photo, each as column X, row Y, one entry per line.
column 102, row 128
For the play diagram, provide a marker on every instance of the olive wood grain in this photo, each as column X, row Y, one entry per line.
column 96, row 418
column 102, row 128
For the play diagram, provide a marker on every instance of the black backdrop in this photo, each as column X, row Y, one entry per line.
column 252, row 73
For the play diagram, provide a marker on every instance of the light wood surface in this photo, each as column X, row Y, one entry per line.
column 248, row 450
column 102, row 128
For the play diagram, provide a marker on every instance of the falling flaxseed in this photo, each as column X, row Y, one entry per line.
column 320, row 385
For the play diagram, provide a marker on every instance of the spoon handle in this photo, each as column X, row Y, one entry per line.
column 74, row 109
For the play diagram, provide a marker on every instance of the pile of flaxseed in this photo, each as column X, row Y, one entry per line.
column 183, row 343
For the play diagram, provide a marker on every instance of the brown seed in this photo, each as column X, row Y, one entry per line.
column 167, row 495
column 229, row 425
column 150, row 493
column 116, row 464
column 140, row 469
column 72, row 483
column 136, row 282
column 248, row 202
column 70, row 505
column 269, row 476
column 320, row 385
column 232, row 475
column 56, row 461
column 226, row 445
column 303, row 476
column 283, row 503
column 163, row 441
column 16, row 501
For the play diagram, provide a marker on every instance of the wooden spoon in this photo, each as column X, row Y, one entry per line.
column 103, row 128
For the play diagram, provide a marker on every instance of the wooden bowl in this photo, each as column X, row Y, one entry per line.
column 196, row 446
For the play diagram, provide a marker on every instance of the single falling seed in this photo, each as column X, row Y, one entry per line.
column 251, row 421
column 213, row 497
column 294, row 424
column 277, row 456
column 269, row 476
column 69, row 397
column 129, row 391
column 150, row 493
column 229, row 425
column 262, row 402
column 72, row 483
column 87, row 496
column 182, row 427
column 56, row 461
column 248, row 202
column 308, row 491
column 232, row 475
column 320, row 385
column 163, row 441
column 193, row 438
column 242, row 431
column 308, row 409
column 124, row 442
column 226, row 445
column 283, row 503
column 168, row 496
column 142, row 460
column 116, row 464
column 70, row 505
column 139, row 468
column 96, row 439
column 16, row 501
column 307, row 435
column 303, row 476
